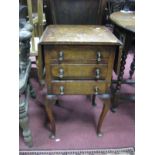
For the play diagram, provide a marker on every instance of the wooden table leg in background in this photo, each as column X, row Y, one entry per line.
column 127, row 43
column 51, row 99
column 107, row 102
column 119, row 81
column 93, row 100
column 132, row 68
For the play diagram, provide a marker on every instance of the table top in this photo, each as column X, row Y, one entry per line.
column 78, row 35
column 124, row 19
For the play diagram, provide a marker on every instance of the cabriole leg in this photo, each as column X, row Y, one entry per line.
column 107, row 101
column 50, row 99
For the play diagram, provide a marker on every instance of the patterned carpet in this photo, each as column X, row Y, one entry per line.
column 123, row 151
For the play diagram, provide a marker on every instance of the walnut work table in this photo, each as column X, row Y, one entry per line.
column 124, row 29
column 76, row 60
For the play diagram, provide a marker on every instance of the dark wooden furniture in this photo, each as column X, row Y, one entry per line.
column 124, row 29
column 117, row 5
column 25, row 88
column 75, row 11
column 76, row 59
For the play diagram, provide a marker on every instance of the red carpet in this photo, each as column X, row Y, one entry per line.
column 76, row 121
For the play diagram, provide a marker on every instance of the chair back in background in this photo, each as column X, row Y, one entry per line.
column 75, row 11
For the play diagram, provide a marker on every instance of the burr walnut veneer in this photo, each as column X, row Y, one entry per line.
column 76, row 59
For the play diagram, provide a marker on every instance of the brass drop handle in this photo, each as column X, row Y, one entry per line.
column 98, row 56
column 97, row 73
column 61, row 55
column 96, row 90
column 61, row 90
column 61, row 73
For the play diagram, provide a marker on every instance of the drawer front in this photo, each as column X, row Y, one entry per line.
column 84, row 54
column 77, row 87
column 79, row 71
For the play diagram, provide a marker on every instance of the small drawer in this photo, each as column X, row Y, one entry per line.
column 77, row 87
column 65, row 54
column 79, row 71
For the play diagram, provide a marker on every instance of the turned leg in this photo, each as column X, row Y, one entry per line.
column 50, row 99
column 121, row 72
column 126, row 42
column 105, row 109
column 119, row 81
column 23, row 122
column 93, row 100
column 132, row 68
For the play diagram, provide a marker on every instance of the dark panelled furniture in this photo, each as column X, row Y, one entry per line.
column 75, row 11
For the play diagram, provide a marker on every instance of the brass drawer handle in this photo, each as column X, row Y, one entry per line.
column 98, row 56
column 96, row 90
column 97, row 73
column 61, row 90
column 61, row 55
column 61, row 73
